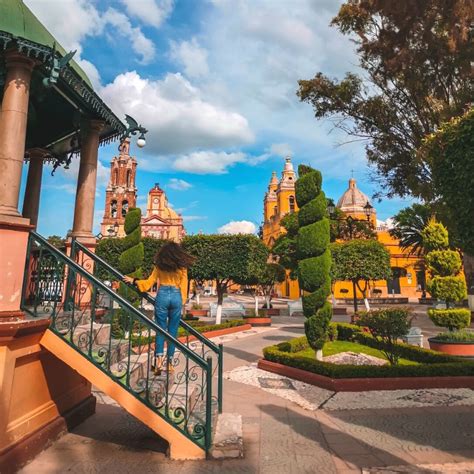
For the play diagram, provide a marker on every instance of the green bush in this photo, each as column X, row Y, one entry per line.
column 313, row 239
column 456, row 336
column 132, row 220
column 453, row 319
column 313, row 273
column 313, row 211
column 315, row 300
column 308, row 185
column 129, row 260
column 387, row 324
column 435, row 236
column 133, row 238
column 448, row 288
column 432, row 364
column 444, row 262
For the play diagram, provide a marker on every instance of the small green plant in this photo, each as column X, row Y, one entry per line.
column 196, row 306
column 387, row 325
column 454, row 318
column 464, row 335
column 253, row 314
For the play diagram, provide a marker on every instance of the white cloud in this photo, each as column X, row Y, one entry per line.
column 194, row 218
column 142, row 46
column 179, row 120
column 208, row 162
column 238, row 227
column 179, row 184
column 191, row 56
column 150, row 12
column 281, row 149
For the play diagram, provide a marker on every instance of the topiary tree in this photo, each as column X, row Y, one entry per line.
column 444, row 266
column 360, row 262
column 314, row 257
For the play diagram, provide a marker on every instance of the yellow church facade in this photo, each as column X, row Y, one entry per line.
column 407, row 275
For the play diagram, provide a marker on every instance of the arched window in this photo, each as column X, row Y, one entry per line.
column 115, row 177
column 292, row 203
column 275, row 210
column 113, row 209
column 128, row 178
column 124, row 208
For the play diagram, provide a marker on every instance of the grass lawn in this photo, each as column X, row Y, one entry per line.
column 335, row 347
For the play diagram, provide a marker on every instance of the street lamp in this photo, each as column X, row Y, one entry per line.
column 132, row 129
column 368, row 210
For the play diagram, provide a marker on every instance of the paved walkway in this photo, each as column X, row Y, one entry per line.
column 279, row 435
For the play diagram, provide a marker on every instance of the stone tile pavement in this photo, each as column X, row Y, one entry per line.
column 279, row 435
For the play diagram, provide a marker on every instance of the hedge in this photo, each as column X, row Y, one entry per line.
column 313, row 273
column 313, row 239
column 452, row 318
column 432, row 363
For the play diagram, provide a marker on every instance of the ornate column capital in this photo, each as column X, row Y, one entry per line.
column 93, row 125
column 18, row 60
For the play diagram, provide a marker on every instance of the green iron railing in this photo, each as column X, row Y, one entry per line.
column 118, row 338
column 193, row 339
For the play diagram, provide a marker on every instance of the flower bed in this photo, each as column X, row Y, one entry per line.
column 437, row 370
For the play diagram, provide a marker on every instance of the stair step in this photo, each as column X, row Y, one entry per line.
column 82, row 333
column 228, row 440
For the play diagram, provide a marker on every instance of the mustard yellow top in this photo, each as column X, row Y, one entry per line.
column 179, row 279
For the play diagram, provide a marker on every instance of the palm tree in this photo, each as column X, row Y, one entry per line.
column 408, row 224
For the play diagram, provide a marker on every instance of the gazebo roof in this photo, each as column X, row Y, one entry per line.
column 18, row 20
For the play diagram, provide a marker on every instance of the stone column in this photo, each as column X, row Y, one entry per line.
column 86, row 182
column 31, row 200
column 13, row 121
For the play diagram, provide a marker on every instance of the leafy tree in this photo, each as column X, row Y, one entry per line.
column 388, row 325
column 57, row 241
column 408, row 226
column 360, row 261
column 151, row 246
column 226, row 259
column 285, row 245
column 314, row 257
column 274, row 273
column 451, row 150
column 415, row 57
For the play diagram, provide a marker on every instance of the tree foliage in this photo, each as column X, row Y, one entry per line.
column 360, row 261
column 57, row 241
column 285, row 245
column 226, row 259
column 415, row 56
column 312, row 241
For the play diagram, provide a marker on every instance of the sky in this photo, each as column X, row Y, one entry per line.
column 214, row 82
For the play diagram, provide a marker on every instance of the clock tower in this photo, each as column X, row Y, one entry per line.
column 121, row 192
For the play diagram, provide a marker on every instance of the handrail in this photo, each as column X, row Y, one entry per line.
column 182, row 347
column 215, row 348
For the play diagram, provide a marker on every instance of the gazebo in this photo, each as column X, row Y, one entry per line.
column 50, row 114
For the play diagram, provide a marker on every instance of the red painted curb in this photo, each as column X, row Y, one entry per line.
column 258, row 321
column 363, row 384
column 452, row 348
column 218, row 332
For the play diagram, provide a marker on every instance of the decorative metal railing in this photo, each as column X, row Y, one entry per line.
column 118, row 339
column 192, row 338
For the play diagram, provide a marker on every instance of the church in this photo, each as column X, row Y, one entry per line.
column 408, row 279
column 160, row 220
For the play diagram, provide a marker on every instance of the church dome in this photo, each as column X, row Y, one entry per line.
column 353, row 200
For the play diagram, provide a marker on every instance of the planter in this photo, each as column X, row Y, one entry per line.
column 426, row 300
column 197, row 312
column 271, row 311
column 217, row 333
column 338, row 310
column 189, row 317
column 366, row 383
column 463, row 349
column 256, row 322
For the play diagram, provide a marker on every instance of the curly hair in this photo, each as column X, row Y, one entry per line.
column 171, row 257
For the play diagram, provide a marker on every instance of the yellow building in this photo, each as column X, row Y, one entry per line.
column 407, row 277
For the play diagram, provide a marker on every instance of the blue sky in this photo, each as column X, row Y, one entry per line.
column 214, row 82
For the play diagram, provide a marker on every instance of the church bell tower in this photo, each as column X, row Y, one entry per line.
column 121, row 192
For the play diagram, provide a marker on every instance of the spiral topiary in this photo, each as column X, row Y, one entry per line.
column 130, row 264
column 314, row 256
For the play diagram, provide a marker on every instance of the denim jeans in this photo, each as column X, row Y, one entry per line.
column 168, row 305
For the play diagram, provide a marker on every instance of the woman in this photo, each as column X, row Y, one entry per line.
column 171, row 275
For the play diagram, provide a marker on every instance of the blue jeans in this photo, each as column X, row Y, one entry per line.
column 168, row 306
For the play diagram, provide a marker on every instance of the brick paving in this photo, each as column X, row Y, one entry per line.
column 279, row 436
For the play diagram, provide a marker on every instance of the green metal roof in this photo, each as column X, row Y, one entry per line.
column 17, row 19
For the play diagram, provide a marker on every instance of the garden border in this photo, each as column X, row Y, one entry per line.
column 366, row 384
column 218, row 332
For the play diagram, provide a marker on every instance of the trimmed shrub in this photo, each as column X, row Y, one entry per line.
column 313, row 211
column 313, row 239
column 313, row 273
column 314, row 255
column 308, row 185
column 132, row 220
column 130, row 259
column 387, row 324
column 435, row 236
column 448, row 288
column 453, row 319
column 444, row 262
column 133, row 238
